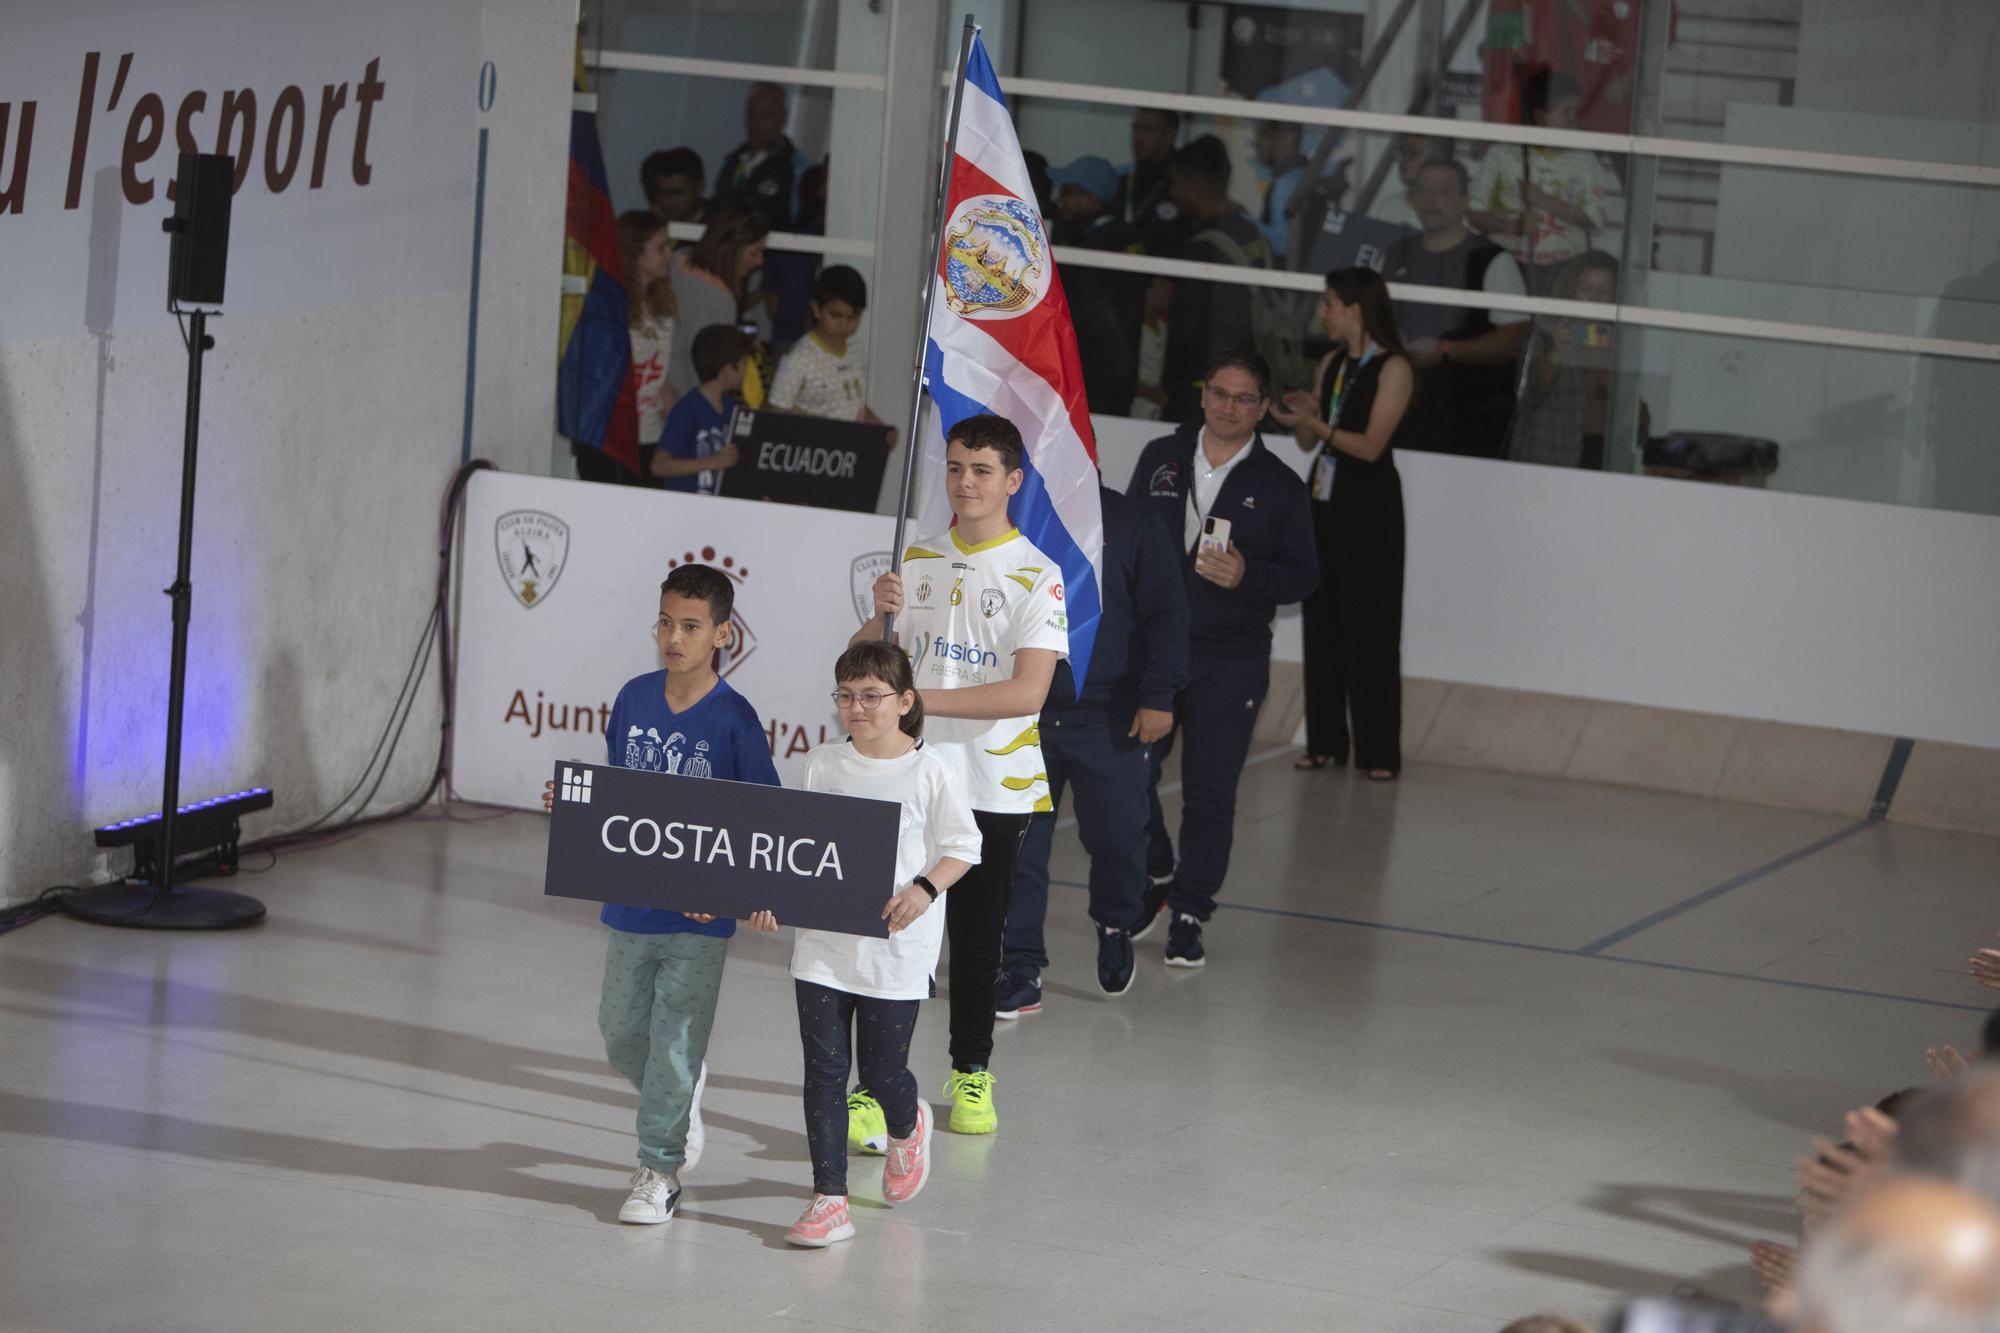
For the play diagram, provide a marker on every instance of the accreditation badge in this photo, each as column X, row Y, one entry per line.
column 1322, row 484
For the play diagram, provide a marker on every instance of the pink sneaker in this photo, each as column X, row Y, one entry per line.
column 909, row 1163
column 822, row 1223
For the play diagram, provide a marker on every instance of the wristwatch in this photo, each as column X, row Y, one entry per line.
column 923, row 882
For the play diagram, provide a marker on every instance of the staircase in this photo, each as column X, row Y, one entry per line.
column 1723, row 51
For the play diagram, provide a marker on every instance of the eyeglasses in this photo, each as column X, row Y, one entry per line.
column 869, row 700
column 1245, row 401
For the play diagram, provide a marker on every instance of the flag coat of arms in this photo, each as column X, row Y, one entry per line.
column 1000, row 341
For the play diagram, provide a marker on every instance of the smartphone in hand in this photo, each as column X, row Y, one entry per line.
column 1214, row 535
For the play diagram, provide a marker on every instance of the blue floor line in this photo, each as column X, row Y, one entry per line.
column 1772, row 867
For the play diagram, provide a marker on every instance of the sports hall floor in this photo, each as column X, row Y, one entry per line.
column 1414, row 1089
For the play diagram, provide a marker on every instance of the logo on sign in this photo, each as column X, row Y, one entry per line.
column 533, row 547
column 861, row 576
column 996, row 258
column 742, row 642
column 575, row 785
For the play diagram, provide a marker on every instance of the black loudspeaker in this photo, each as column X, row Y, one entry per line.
column 198, row 255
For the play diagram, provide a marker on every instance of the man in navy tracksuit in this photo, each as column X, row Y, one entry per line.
column 1219, row 468
column 1097, row 742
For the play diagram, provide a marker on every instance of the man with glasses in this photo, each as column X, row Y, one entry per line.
column 1208, row 472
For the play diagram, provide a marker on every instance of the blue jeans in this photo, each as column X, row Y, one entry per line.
column 1091, row 754
column 1217, row 714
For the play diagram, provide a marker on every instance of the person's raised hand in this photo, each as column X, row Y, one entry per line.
column 1872, row 1133
column 1986, row 968
column 889, row 594
column 909, row 904
column 1945, row 1062
column 763, row 921
column 549, row 797
column 1827, row 1176
column 1774, row 1265
column 1149, row 724
column 1222, row 568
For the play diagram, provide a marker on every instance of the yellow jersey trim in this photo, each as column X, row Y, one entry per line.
column 922, row 553
column 987, row 545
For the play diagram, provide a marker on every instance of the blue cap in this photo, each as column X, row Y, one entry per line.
column 1089, row 173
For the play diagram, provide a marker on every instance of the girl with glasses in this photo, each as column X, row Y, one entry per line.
column 854, row 991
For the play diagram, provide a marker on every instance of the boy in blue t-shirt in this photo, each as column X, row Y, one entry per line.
column 695, row 444
column 663, row 969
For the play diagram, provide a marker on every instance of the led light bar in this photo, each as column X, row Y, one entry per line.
column 198, row 825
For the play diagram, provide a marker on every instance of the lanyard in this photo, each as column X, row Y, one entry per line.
column 1340, row 384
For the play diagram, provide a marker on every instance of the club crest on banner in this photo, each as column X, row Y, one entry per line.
column 742, row 642
column 861, row 581
column 533, row 547
column 996, row 258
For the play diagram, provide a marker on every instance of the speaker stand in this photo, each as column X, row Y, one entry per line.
column 161, row 904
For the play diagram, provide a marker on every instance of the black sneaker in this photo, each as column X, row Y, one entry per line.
column 1154, row 902
column 1114, row 961
column 1184, row 942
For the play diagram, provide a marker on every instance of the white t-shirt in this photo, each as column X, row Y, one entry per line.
column 650, row 340
column 936, row 822
column 966, row 611
column 813, row 381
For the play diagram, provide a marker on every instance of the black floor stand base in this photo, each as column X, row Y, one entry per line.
column 183, row 908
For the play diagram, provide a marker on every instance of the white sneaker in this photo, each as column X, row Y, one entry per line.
column 691, row 1153
column 654, row 1198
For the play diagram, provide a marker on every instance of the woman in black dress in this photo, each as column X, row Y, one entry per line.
column 1354, row 621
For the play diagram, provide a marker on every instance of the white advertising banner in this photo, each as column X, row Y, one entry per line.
column 559, row 589
column 353, row 127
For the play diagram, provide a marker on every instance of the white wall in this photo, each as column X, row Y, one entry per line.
column 1791, row 608
column 330, row 425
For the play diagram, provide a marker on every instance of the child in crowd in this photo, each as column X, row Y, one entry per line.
column 694, row 445
column 649, row 301
column 855, row 991
column 826, row 372
column 663, row 969
column 983, row 609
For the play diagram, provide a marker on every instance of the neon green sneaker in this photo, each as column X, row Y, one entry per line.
column 971, row 1102
column 867, row 1127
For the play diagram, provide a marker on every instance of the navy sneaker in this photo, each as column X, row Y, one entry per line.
column 1114, row 960
column 1018, row 996
column 1152, row 904
column 1184, row 942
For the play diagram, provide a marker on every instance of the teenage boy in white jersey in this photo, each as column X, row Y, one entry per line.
column 980, row 612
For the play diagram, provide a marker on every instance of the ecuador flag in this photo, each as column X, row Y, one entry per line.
column 596, row 392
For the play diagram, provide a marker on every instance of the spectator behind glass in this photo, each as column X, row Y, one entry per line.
column 826, row 372
column 1207, row 319
column 1104, row 306
column 650, row 310
column 1397, row 201
column 710, row 280
column 695, row 446
column 1354, row 618
column 767, row 173
column 1146, row 203
column 1543, row 204
column 674, row 182
column 1566, row 394
column 1465, row 357
column 1283, row 166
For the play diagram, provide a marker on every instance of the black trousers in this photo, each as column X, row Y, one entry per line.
column 1091, row 754
column 831, row 1023
column 1213, row 723
column 975, row 915
column 596, row 465
column 1354, row 632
